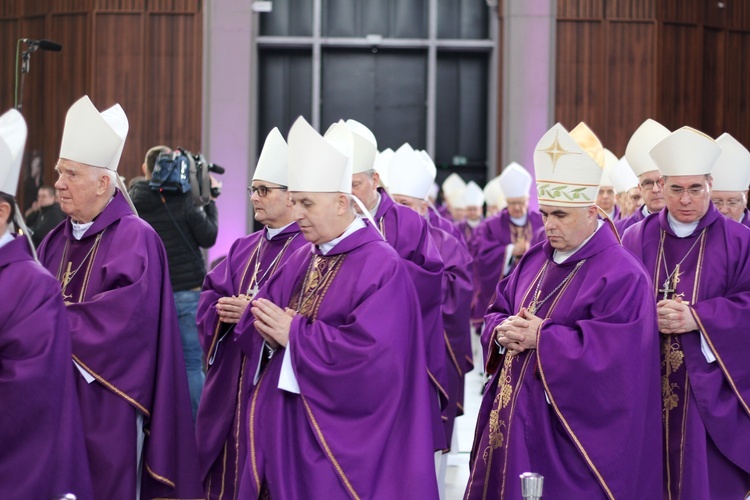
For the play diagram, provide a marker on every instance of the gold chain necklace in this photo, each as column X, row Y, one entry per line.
column 536, row 303
column 68, row 275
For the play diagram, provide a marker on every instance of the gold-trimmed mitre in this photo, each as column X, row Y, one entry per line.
column 566, row 176
column 686, row 151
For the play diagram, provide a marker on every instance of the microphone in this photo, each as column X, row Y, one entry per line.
column 43, row 44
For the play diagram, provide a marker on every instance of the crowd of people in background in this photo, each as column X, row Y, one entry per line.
column 325, row 356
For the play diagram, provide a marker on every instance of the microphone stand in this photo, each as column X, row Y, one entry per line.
column 25, row 66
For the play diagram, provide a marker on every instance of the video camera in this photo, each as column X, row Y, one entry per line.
column 181, row 171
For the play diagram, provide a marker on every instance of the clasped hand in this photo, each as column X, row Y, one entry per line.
column 675, row 317
column 518, row 333
column 272, row 322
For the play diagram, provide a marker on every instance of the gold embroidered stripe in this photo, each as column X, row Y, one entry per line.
column 112, row 388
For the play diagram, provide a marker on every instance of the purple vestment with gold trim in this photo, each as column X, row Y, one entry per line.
column 360, row 426
column 583, row 408
column 124, row 333
column 706, row 404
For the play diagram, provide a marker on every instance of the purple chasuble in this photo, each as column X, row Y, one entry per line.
column 706, row 405
column 582, row 409
column 43, row 454
column 468, row 232
column 456, row 309
column 409, row 234
column 436, row 220
column 491, row 252
column 625, row 223
column 745, row 218
column 124, row 332
column 221, row 435
column 359, row 426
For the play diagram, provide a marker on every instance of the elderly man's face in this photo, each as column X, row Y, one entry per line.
column 688, row 196
column 273, row 209
column 365, row 186
column 318, row 215
column 651, row 191
column 419, row 206
column 730, row 203
column 517, row 207
column 79, row 187
column 606, row 198
column 566, row 228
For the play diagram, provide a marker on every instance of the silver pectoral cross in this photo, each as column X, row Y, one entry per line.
column 673, row 279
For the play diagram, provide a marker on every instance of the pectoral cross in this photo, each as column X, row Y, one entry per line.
column 66, row 278
column 252, row 292
column 672, row 279
column 535, row 302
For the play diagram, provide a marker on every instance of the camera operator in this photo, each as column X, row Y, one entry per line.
column 185, row 228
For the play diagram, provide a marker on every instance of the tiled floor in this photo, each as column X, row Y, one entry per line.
column 458, row 460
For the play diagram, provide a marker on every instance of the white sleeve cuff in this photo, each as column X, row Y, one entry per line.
column 287, row 378
column 707, row 353
column 508, row 257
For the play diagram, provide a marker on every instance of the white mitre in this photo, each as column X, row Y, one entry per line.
column 317, row 164
column 648, row 135
column 732, row 170
column 622, row 176
column 515, row 181
column 493, row 194
column 13, row 132
column 382, row 164
column 473, row 195
column 686, row 151
column 566, row 176
column 453, row 186
column 365, row 147
column 409, row 174
column 273, row 165
column 94, row 138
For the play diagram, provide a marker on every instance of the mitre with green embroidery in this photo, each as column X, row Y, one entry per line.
column 566, row 176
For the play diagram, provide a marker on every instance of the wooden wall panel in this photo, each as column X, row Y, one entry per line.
column 9, row 34
column 118, row 50
column 631, row 76
column 120, row 5
column 579, row 9
column 737, row 14
column 714, row 60
column 580, row 75
column 680, row 84
column 171, row 112
column 737, row 84
column 713, row 15
column 681, row 11
column 175, row 6
column 631, row 9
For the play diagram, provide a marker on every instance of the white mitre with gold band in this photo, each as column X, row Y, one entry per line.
column 648, row 135
column 515, row 181
column 365, row 147
column 566, row 176
column 317, row 164
column 493, row 194
column 686, row 151
column 94, row 138
column 610, row 162
column 273, row 165
column 409, row 175
column 13, row 132
column 587, row 139
column 732, row 170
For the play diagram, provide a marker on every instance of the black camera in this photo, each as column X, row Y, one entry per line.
column 181, row 171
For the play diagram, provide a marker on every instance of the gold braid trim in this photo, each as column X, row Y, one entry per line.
column 159, row 478
column 328, row 452
column 112, row 388
column 452, row 354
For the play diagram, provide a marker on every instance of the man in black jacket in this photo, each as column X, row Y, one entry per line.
column 184, row 228
column 46, row 216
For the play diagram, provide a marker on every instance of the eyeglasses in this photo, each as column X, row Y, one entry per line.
column 728, row 203
column 677, row 191
column 648, row 184
column 262, row 190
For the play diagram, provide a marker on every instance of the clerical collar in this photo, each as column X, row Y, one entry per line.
column 271, row 232
column 682, row 229
column 560, row 257
column 645, row 211
column 377, row 205
column 475, row 223
column 356, row 225
column 5, row 239
column 80, row 229
column 519, row 221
